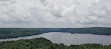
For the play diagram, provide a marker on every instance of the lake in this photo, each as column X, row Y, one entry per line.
column 70, row 39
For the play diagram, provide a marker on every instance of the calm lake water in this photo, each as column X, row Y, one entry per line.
column 70, row 39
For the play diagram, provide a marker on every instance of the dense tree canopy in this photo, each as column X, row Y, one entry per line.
column 42, row 43
column 20, row 32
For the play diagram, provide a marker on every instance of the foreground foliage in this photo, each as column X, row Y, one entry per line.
column 42, row 43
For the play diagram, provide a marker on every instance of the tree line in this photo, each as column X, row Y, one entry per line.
column 20, row 32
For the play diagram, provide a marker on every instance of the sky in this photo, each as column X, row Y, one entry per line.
column 55, row 13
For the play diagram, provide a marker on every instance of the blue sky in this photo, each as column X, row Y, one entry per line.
column 55, row 13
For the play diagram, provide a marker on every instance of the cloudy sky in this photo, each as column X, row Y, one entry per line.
column 55, row 13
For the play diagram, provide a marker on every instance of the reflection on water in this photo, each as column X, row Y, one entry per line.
column 70, row 39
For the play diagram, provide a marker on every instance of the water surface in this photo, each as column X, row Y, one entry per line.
column 70, row 39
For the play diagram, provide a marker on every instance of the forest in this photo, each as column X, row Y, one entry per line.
column 42, row 43
column 20, row 32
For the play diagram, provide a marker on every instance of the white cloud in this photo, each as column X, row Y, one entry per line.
column 55, row 13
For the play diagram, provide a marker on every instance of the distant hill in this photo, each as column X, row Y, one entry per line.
column 91, row 30
column 19, row 32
